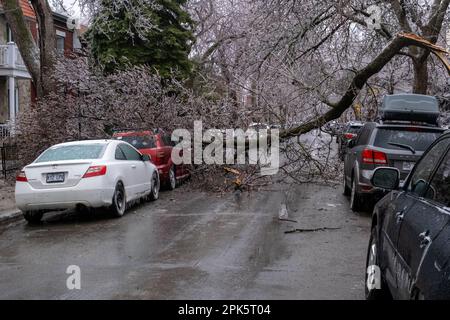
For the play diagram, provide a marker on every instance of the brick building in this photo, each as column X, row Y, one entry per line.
column 16, row 88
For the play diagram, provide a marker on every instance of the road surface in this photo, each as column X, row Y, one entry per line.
column 194, row 245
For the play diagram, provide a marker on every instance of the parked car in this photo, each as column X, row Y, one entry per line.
column 349, row 132
column 409, row 248
column 394, row 143
column 158, row 145
column 331, row 128
column 94, row 174
column 383, row 144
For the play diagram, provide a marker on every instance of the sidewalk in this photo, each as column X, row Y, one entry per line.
column 9, row 215
column 8, row 210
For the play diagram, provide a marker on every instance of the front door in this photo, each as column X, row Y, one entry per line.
column 399, row 205
column 422, row 225
column 139, row 177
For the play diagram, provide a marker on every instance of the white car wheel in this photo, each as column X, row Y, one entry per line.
column 119, row 204
column 154, row 194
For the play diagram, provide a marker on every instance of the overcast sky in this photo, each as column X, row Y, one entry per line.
column 73, row 9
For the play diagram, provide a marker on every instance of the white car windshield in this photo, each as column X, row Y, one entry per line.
column 72, row 152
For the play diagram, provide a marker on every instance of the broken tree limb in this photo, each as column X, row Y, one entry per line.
column 288, row 220
column 437, row 50
column 310, row 230
column 401, row 41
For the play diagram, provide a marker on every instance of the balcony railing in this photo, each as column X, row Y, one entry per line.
column 10, row 57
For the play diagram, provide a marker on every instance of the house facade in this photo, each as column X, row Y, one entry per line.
column 16, row 88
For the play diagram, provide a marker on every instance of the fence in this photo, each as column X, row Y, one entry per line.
column 5, row 131
column 9, row 158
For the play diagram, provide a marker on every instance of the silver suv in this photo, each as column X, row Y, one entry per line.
column 397, row 144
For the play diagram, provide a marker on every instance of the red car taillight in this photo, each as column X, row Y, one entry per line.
column 374, row 157
column 22, row 177
column 95, row 171
column 349, row 136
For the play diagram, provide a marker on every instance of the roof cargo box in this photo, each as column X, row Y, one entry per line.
column 410, row 107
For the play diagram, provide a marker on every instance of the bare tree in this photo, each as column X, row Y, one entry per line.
column 40, row 58
column 306, row 62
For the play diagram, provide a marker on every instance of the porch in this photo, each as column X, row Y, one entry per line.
column 15, row 87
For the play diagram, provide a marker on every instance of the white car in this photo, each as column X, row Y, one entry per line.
column 93, row 174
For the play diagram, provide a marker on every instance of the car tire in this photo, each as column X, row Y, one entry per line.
column 33, row 217
column 347, row 191
column 373, row 259
column 119, row 201
column 154, row 193
column 355, row 198
column 172, row 182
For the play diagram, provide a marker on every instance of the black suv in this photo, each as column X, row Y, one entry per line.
column 409, row 249
column 393, row 143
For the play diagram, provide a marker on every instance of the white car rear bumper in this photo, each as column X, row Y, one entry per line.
column 88, row 192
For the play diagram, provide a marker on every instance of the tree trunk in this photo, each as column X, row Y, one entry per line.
column 420, row 76
column 39, row 60
column 47, row 45
column 23, row 38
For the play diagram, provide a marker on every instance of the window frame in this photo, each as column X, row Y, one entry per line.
column 59, row 50
column 442, row 161
column 364, row 135
column 124, row 145
column 121, row 151
column 408, row 181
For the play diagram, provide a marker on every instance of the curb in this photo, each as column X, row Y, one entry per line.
column 10, row 215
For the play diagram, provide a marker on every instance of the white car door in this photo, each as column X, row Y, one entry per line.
column 138, row 171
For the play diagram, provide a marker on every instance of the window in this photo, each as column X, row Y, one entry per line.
column 9, row 34
column 353, row 129
column 119, row 154
column 439, row 189
column 60, row 44
column 167, row 140
column 423, row 170
column 419, row 139
column 72, row 152
column 139, row 142
column 364, row 135
column 130, row 153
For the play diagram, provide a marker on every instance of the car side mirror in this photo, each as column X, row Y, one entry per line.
column 386, row 178
column 146, row 157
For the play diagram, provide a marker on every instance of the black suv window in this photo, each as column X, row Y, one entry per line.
column 419, row 139
column 130, row 153
column 439, row 189
column 423, row 170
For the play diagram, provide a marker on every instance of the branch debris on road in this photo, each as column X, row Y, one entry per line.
column 310, row 230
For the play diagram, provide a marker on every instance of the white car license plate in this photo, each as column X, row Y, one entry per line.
column 56, row 177
column 408, row 166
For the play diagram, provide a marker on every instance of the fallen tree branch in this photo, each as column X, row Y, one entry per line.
column 310, row 230
column 401, row 41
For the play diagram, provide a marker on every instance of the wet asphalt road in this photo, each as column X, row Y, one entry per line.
column 193, row 245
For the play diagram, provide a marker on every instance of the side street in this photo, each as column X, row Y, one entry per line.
column 224, row 150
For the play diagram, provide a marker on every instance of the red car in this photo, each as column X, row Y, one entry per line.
column 158, row 145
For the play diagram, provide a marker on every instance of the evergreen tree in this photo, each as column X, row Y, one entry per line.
column 157, row 33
